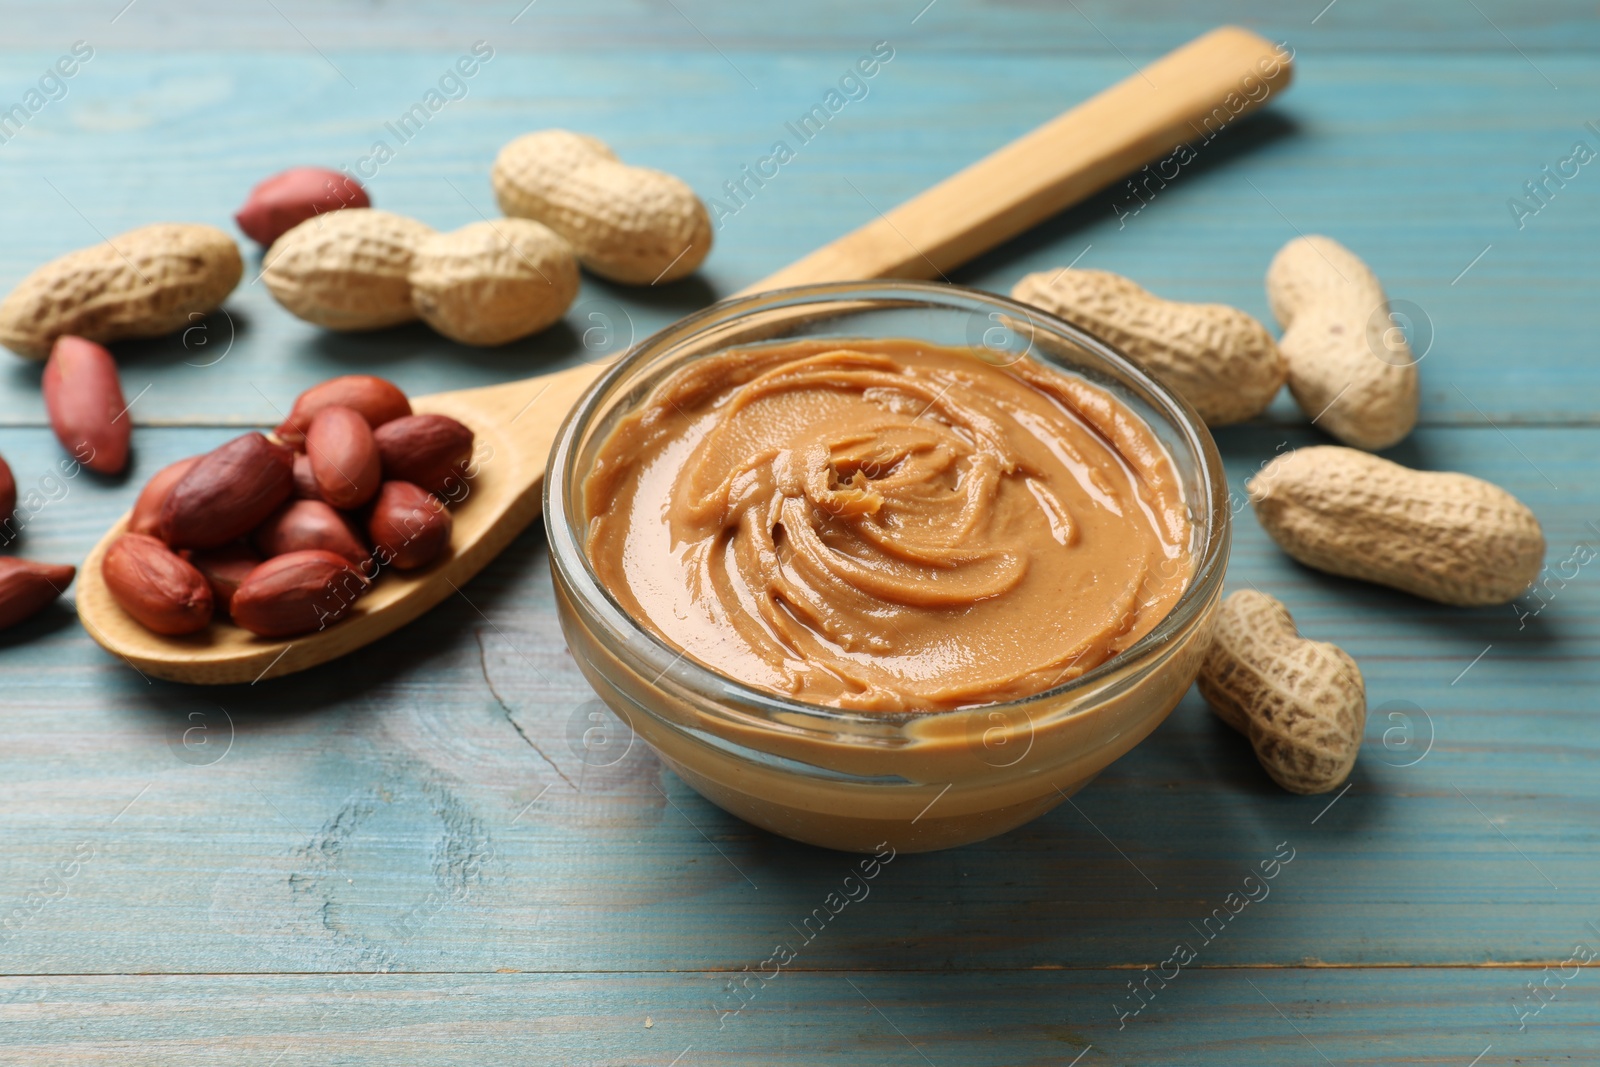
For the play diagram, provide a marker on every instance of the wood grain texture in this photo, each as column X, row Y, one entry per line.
column 1205, row 85
column 1388, row 158
column 357, row 793
column 1005, row 26
column 243, row 859
column 1205, row 1018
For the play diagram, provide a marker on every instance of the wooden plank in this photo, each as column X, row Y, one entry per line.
column 427, row 800
column 551, row 26
column 861, row 1015
column 1410, row 164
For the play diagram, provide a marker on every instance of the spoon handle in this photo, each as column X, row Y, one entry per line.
column 1182, row 99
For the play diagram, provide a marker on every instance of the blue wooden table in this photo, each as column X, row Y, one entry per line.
column 406, row 857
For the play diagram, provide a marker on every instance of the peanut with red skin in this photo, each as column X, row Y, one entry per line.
column 344, row 457
column 431, row 451
column 378, row 400
column 305, row 483
column 227, row 493
column 146, row 517
column 305, row 524
column 224, row 568
column 296, row 593
column 83, row 395
column 8, row 491
column 26, row 587
column 410, row 527
column 160, row 589
column 280, row 203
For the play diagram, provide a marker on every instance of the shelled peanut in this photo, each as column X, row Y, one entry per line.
column 280, row 203
column 284, row 535
column 8, row 491
column 26, row 586
column 83, row 395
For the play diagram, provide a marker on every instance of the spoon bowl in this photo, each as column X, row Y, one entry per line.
column 513, row 427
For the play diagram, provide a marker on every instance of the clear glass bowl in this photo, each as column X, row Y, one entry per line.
column 851, row 780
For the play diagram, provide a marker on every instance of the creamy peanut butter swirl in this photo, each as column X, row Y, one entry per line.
column 888, row 525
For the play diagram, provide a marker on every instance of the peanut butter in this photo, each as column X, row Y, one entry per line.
column 887, row 525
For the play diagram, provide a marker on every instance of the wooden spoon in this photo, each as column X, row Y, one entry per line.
column 1184, row 97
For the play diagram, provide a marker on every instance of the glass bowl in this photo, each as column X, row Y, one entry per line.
column 862, row 781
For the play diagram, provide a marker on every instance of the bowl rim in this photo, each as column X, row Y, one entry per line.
column 1212, row 516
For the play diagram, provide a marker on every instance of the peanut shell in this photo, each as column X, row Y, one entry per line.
column 629, row 224
column 492, row 282
column 1216, row 357
column 347, row 270
column 1443, row 536
column 143, row 283
column 1302, row 703
column 1350, row 368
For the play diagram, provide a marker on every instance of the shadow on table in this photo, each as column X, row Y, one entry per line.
column 206, row 341
column 599, row 325
column 1136, row 860
column 1183, row 842
column 356, row 685
column 52, row 620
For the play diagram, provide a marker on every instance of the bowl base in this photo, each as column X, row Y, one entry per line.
column 928, row 832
